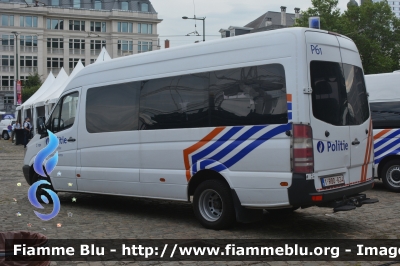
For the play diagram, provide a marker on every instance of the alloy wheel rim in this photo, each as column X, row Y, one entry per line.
column 210, row 205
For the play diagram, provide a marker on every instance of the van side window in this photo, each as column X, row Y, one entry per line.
column 248, row 96
column 240, row 96
column 175, row 102
column 63, row 116
column 112, row 108
column 385, row 115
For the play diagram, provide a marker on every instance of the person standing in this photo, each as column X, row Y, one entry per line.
column 27, row 131
column 15, row 126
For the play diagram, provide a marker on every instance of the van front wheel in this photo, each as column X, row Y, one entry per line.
column 213, row 205
column 391, row 175
column 5, row 135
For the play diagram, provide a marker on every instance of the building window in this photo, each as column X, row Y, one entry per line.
column 144, row 7
column 124, row 5
column 55, row 62
column 28, row 64
column 74, row 61
column 78, row 25
column 7, row 42
column 7, row 63
column 77, row 46
column 77, row 3
column 97, row 4
column 28, row 21
column 28, row 41
column 125, row 47
column 144, row 47
column 55, row 45
column 145, row 28
column 7, row 82
column 8, row 99
column 28, row 61
column 97, row 26
column 7, row 20
column 92, row 61
column 55, row 24
column 55, row 2
column 125, row 27
column 96, row 46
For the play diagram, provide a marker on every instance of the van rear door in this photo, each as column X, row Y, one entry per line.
column 358, row 117
column 331, row 134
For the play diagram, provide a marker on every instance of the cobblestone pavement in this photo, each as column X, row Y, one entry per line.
column 110, row 217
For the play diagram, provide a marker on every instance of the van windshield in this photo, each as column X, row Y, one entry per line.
column 339, row 96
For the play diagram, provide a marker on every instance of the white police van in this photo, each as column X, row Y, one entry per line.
column 385, row 110
column 275, row 120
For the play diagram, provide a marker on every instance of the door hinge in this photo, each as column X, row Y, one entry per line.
column 309, row 176
column 307, row 90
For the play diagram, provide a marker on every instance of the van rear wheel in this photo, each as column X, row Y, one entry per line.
column 391, row 175
column 213, row 205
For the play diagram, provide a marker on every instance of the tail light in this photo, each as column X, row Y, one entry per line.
column 302, row 149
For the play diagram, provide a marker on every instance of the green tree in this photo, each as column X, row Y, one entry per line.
column 328, row 12
column 376, row 31
column 31, row 85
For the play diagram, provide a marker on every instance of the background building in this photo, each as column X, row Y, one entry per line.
column 57, row 33
column 268, row 21
column 395, row 5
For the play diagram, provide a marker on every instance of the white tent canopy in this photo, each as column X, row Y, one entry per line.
column 61, row 78
column 103, row 56
column 52, row 98
column 46, row 84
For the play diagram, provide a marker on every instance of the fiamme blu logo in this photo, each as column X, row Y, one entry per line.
column 49, row 165
column 332, row 146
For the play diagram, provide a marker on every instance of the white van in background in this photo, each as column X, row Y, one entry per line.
column 4, row 127
column 275, row 120
column 385, row 110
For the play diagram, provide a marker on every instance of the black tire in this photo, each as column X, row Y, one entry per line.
column 390, row 175
column 5, row 135
column 213, row 205
column 284, row 211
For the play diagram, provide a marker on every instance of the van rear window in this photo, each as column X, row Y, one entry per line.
column 339, row 96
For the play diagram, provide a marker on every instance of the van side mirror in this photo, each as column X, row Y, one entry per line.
column 41, row 126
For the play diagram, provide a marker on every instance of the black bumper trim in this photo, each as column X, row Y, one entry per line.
column 301, row 190
column 26, row 170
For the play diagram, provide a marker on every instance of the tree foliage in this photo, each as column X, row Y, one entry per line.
column 373, row 27
column 328, row 12
column 31, row 85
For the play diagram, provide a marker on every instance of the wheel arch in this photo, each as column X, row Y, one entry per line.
column 204, row 175
column 384, row 161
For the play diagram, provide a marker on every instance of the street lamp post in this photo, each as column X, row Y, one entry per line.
column 17, row 65
column 204, row 25
column 16, row 47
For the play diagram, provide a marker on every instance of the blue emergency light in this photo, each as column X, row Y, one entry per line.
column 314, row 22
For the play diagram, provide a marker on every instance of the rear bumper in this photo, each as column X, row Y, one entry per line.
column 301, row 191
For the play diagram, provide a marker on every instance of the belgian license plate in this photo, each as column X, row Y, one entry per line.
column 332, row 181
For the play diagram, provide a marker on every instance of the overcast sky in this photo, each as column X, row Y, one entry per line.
column 219, row 14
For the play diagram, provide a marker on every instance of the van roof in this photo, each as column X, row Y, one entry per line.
column 383, row 87
column 185, row 51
